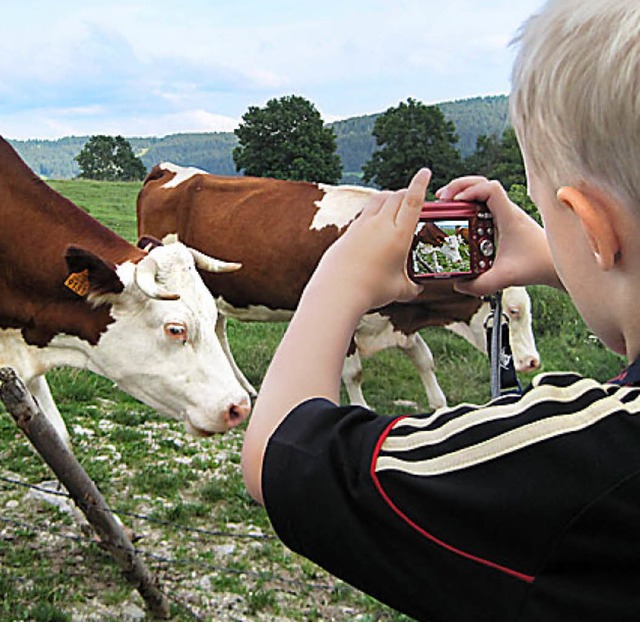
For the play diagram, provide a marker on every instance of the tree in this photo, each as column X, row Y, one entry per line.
column 109, row 158
column 519, row 195
column 510, row 168
column 411, row 136
column 498, row 158
column 287, row 140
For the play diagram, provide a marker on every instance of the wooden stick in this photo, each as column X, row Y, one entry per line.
column 43, row 436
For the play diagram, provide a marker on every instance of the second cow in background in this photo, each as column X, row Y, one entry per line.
column 278, row 230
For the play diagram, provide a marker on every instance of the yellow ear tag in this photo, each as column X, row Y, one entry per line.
column 78, row 282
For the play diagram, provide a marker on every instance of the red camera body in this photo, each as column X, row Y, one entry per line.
column 452, row 239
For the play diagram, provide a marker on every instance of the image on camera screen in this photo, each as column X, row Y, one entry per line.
column 441, row 247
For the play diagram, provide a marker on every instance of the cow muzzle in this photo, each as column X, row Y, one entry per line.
column 232, row 416
column 527, row 363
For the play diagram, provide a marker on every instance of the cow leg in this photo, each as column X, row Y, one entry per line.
column 434, row 258
column 352, row 379
column 420, row 355
column 221, row 332
column 39, row 388
column 49, row 491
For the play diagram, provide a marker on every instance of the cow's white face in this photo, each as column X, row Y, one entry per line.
column 516, row 304
column 166, row 353
column 451, row 249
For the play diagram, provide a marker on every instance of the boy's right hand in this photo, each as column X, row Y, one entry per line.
column 523, row 256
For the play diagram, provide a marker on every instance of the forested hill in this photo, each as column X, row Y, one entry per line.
column 211, row 151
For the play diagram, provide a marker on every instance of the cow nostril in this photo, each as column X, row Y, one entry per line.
column 527, row 364
column 237, row 413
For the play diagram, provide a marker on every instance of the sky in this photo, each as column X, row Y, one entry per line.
column 153, row 68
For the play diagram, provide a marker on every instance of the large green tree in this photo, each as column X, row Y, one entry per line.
column 287, row 140
column 109, row 158
column 410, row 136
column 498, row 158
column 519, row 195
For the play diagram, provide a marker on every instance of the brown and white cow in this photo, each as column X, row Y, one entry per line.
column 279, row 230
column 72, row 292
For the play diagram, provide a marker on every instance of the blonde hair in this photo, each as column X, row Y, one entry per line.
column 575, row 101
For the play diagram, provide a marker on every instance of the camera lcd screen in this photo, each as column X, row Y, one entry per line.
column 441, row 249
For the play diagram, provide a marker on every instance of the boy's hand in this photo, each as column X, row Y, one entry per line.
column 368, row 263
column 523, row 256
column 364, row 269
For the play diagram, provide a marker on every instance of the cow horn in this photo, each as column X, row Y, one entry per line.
column 210, row 264
column 145, row 276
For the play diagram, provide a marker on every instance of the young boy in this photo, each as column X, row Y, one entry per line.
column 527, row 508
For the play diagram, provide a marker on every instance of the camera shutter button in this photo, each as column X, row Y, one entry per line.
column 486, row 247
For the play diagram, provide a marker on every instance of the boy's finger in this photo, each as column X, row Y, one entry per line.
column 393, row 203
column 455, row 187
column 411, row 206
column 484, row 285
column 375, row 203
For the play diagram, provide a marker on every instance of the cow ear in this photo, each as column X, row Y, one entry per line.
column 157, row 172
column 88, row 273
column 148, row 243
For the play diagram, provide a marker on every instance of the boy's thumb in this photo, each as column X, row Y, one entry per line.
column 479, row 286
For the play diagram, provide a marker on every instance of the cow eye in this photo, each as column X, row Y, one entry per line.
column 514, row 312
column 176, row 331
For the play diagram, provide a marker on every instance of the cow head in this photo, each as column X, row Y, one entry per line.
column 160, row 345
column 451, row 249
column 516, row 305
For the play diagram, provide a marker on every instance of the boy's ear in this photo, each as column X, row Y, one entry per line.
column 598, row 222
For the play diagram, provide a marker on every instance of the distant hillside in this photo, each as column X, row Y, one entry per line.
column 211, row 151
column 473, row 117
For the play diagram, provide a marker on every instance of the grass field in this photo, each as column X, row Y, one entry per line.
column 211, row 546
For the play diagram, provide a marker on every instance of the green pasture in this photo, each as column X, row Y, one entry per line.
column 165, row 484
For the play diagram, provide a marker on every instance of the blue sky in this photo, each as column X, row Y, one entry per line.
column 142, row 67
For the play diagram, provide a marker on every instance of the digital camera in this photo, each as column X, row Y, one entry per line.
column 452, row 239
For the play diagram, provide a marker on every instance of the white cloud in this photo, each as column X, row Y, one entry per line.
column 145, row 67
column 92, row 120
